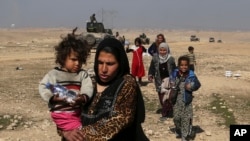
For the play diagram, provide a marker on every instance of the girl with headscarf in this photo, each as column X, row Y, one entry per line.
column 161, row 66
column 117, row 110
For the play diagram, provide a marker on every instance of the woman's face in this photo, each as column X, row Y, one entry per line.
column 137, row 44
column 72, row 63
column 107, row 66
column 162, row 51
column 183, row 67
column 160, row 39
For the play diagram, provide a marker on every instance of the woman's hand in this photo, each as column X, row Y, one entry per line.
column 56, row 98
column 80, row 99
column 74, row 135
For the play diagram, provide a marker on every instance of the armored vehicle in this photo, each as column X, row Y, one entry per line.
column 193, row 38
column 219, row 41
column 211, row 39
column 96, row 33
column 144, row 39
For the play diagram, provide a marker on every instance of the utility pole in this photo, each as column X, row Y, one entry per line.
column 102, row 15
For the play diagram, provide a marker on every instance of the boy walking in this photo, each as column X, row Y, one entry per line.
column 191, row 57
column 185, row 82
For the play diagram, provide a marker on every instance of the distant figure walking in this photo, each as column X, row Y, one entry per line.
column 118, row 37
column 93, row 19
column 154, row 46
column 191, row 57
column 161, row 66
column 137, row 62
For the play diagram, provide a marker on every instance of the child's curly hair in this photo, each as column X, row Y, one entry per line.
column 72, row 42
column 183, row 58
column 138, row 40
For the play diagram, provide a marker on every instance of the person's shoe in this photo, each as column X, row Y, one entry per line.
column 192, row 134
column 139, row 84
column 158, row 111
column 163, row 118
column 177, row 133
column 171, row 114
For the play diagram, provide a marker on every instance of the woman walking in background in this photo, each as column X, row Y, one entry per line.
column 154, row 46
column 137, row 62
column 161, row 66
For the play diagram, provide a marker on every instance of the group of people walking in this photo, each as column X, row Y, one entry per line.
column 112, row 107
column 165, row 74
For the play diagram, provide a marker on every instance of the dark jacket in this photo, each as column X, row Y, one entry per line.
column 105, row 119
column 117, row 113
column 190, row 78
column 153, row 49
column 154, row 70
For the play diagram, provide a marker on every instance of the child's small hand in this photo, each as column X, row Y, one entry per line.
column 188, row 86
column 56, row 98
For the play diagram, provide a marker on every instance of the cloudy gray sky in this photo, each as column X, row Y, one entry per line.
column 167, row 14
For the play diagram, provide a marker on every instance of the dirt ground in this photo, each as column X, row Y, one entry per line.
column 27, row 54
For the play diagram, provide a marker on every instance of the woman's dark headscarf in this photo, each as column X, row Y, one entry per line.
column 115, row 47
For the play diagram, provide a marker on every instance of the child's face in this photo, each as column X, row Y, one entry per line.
column 136, row 44
column 183, row 67
column 72, row 64
column 159, row 39
column 191, row 51
column 163, row 51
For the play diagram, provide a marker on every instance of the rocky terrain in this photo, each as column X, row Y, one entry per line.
column 27, row 54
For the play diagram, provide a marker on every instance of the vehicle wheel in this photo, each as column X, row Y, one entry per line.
column 90, row 38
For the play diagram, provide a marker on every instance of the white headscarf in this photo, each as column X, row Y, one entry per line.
column 164, row 58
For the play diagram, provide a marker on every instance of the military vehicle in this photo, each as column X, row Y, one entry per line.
column 144, row 39
column 211, row 39
column 96, row 33
column 193, row 38
column 219, row 41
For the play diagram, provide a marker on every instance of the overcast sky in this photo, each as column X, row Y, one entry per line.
column 167, row 14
